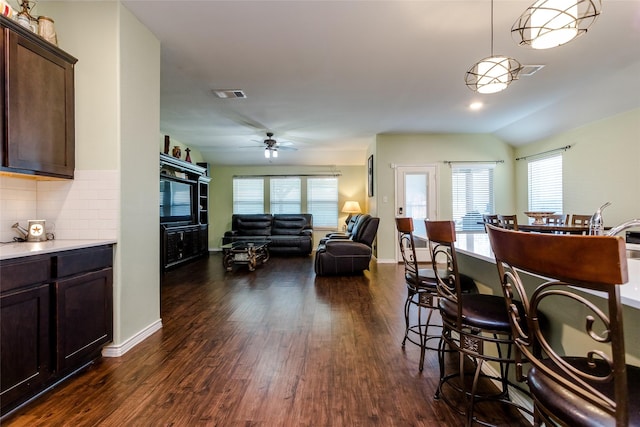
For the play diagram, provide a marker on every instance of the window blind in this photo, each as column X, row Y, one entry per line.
column 285, row 195
column 322, row 201
column 545, row 184
column 248, row 195
column 472, row 187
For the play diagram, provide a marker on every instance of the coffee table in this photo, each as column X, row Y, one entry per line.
column 249, row 253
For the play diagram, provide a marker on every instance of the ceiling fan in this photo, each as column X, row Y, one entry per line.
column 272, row 146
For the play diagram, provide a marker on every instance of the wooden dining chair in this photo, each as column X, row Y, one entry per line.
column 558, row 219
column 580, row 220
column 509, row 222
column 585, row 381
column 490, row 219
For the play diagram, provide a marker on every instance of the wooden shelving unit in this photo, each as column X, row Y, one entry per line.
column 183, row 241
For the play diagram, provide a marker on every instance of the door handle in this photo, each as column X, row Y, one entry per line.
column 400, row 211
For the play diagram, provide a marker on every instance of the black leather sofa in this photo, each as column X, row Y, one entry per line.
column 344, row 256
column 286, row 233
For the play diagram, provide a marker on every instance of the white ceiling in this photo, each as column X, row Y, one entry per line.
column 330, row 75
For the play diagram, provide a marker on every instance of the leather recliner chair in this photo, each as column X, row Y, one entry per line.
column 348, row 256
column 351, row 224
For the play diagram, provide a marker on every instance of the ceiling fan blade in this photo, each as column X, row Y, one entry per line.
column 286, row 148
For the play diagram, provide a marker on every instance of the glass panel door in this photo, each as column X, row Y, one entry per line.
column 416, row 195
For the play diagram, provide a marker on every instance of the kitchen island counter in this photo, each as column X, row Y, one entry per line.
column 477, row 246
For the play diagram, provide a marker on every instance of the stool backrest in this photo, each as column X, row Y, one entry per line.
column 408, row 250
column 569, row 263
column 442, row 238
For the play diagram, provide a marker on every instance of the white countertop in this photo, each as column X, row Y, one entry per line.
column 477, row 245
column 21, row 249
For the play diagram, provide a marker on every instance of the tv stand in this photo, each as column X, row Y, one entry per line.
column 181, row 242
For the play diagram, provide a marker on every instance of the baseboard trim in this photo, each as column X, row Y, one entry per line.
column 386, row 261
column 117, row 350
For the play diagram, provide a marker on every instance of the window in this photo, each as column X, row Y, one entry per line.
column 289, row 195
column 322, row 201
column 545, row 184
column 248, row 195
column 472, row 195
column 285, row 195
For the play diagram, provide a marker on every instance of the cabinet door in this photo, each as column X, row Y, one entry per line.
column 84, row 317
column 39, row 110
column 25, row 348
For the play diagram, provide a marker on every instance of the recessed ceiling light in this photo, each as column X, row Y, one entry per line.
column 476, row 105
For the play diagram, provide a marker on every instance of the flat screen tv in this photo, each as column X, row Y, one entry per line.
column 176, row 201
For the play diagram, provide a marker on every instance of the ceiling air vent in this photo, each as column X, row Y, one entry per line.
column 529, row 70
column 229, row 93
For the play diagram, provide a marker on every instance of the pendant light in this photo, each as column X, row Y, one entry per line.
column 550, row 23
column 494, row 73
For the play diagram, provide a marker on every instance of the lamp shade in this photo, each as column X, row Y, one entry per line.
column 351, row 207
column 550, row 23
column 492, row 74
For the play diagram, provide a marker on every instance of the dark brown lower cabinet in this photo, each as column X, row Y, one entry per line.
column 24, row 343
column 84, row 320
column 180, row 244
column 56, row 313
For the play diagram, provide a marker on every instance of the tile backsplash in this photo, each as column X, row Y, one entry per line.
column 86, row 207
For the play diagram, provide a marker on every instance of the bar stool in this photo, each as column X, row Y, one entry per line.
column 421, row 294
column 470, row 323
column 586, row 382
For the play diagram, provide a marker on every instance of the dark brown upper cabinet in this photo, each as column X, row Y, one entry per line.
column 38, row 126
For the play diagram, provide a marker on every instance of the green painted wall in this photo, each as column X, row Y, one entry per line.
column 434, row 149
column 602, row 165
column 117, row 124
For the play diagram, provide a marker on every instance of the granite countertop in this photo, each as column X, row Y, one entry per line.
column 477, row 245
column 21, row 249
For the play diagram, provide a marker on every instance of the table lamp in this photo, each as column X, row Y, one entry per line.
column 351, row 207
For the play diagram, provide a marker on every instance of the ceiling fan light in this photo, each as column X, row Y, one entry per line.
column 492, row 74
column 267, row 153
column 274, row 153
column 551, row 23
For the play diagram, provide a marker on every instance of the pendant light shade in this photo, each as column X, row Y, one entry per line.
column 550, row 23
column 494, row 73
column 270, row 152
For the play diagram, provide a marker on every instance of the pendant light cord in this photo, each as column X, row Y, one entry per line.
column 492, row 28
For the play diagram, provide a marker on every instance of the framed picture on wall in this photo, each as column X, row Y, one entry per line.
column 370, row 175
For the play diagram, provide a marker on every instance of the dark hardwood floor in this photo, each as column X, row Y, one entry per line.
column 274, row 347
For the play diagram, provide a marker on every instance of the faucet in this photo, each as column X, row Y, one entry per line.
column 624, row 226
column 21, row 230
column 596, row 224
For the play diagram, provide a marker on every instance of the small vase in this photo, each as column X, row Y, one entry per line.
column 188, row 158
column 46, row 30
column 176, row 152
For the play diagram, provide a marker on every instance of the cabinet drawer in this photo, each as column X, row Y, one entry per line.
column 24, row 272
column 81, row 260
